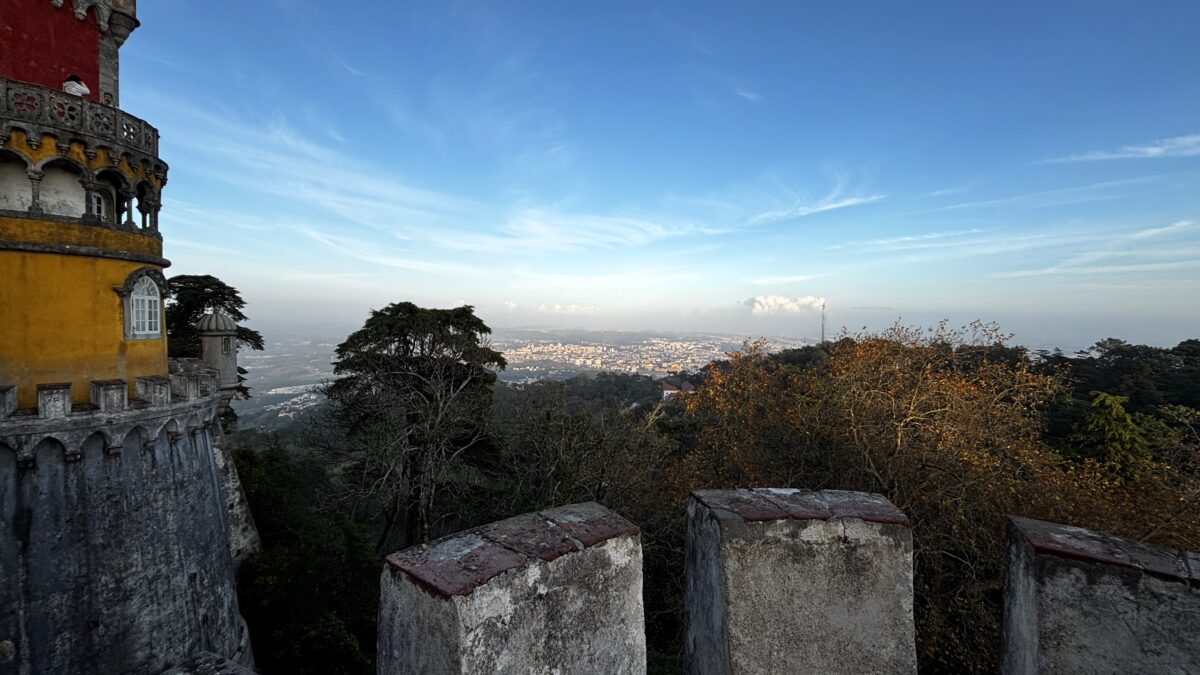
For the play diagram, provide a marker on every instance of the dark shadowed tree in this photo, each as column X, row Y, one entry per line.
column 408, row 414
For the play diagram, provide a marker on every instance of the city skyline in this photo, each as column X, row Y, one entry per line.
column 686, row 168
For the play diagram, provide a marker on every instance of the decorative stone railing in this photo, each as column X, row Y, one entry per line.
column 43, row 110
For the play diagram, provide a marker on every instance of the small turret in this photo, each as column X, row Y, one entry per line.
column 218, row 350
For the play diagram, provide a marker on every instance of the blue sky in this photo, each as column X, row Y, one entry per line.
column 623, row 165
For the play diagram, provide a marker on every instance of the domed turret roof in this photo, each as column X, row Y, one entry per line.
column 215, row 323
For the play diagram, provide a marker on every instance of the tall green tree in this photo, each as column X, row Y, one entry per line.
column 189, row 297
column 408, row 413
column 1109, row 433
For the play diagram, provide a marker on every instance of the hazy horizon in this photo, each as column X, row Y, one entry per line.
column 691, row 167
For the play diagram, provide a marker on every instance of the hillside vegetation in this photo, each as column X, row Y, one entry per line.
column 956, row 426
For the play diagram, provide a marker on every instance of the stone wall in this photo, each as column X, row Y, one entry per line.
column 783, row 580
column 1082, row 601
column 115, row 541
column 554, row 591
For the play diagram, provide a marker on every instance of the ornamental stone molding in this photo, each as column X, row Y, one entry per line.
column 119, row 16
column 39, row 110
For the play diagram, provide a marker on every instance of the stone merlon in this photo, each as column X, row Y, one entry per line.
column 786, row 580
column 554, row 591
column 1076, row 600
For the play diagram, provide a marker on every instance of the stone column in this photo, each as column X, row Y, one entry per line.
column 793, row 581
column 89, row 190
column 554, row 591
column 35, row 190
column 1078, row 601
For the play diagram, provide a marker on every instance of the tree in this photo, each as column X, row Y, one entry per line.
column 408, row 409
column 1109, row 433
column 189, row 297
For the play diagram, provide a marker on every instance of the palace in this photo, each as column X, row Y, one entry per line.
column 121, row 518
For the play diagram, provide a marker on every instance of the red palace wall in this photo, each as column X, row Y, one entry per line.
column 43, row 44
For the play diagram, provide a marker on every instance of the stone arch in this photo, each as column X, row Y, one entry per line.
column 16, row 194
column 134, row 440
column 170, row 428
column 49, row 448
column 110, row 199
column 96, row 443
column 148, row 204
column 60, row 191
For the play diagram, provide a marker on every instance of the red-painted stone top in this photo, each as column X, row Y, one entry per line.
column 767, row 504
column 462, row 562
column 1077, row 543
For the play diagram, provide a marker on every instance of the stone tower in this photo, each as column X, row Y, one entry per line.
column 120, row 517
column 218, row 350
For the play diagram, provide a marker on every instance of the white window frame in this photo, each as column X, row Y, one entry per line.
column 145, row 309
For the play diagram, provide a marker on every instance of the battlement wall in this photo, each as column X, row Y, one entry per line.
column 118, row 528
column 184, row 402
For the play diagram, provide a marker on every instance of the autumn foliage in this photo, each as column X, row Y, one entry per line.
column 947, row 423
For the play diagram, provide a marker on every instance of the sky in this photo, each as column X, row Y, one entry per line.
column 686, row 166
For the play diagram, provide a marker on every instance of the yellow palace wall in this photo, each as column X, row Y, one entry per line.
column 60, row 319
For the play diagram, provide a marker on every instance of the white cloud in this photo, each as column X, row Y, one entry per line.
column 777, row 304
column 510, row 305
column 1179, row 146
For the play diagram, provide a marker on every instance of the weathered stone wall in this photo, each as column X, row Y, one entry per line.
column 1087, row 602
column 791, row 581
column 559, row 591
column 116, row 561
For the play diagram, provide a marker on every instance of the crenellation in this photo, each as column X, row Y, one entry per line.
column 1077, row 600
column 53, row 400
column 109, row 395
column 558, row 590
column 155, row 390
column 787, row 580
column 8, row 401
column 111, row 413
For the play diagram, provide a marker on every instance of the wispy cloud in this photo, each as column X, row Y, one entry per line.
column 1056, row 197
column 1129, row 245
column 1177, row 226
column 892, row 242
column 1100, row 269
column 752, row 96
column 802, row 209
column 568, row 309
column 1179, row 146
column 773, row 281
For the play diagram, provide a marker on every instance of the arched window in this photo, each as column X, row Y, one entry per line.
column 147, row 308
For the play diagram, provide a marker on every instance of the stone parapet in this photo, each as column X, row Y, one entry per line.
column 39, row 110
column 555, row 591
column 1076, row 600
column 785, row 580
column 187, row 402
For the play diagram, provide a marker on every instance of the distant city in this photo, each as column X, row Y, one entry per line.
column 283, row 378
